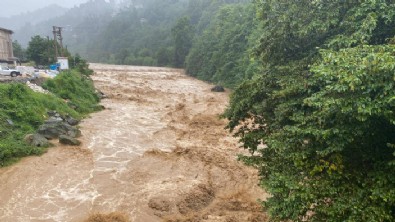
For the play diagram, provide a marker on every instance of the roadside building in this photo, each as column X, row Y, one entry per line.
column 6, row 51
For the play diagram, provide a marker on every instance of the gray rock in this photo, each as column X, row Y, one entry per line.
column 51, row 113
column 217, row 89
column 53, row 129
column 101, row 94
column 10, row 122
column 53, row 119
column 64, row 139
column 36, row 140
column 70, row 120
column 74, row 132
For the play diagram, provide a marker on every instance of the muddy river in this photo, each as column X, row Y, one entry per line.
column 158, row 152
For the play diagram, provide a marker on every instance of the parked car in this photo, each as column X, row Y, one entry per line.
column 5, row 71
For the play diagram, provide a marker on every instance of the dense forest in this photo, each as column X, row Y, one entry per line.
column 313, row 99
column 323, row 104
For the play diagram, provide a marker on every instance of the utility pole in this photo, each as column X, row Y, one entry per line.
column 57, row 34
column 55, row 38
column 48, row 50
column 61, row 40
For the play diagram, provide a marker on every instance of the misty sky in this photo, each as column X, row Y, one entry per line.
column 15, row 7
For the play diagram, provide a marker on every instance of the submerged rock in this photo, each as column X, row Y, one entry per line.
column 70, row 120
column 100, row 94
column 218, row 89
column 54, row 128
column 68, row 140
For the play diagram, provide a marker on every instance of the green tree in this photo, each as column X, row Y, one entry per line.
column 42, row 51
column 19, row 52
column 182, row 34
column 164, row 56
column 324, row 108
column 37, row 50
column 221, row 54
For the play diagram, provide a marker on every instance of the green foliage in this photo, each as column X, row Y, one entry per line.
column 77, row 89
column 182, row 35
column 222, row 53
column 165, row 56
column 27, row 110
column 80, row 65
column 324, row 107
column 19, row 52
column 42, row 51
column 37, row 50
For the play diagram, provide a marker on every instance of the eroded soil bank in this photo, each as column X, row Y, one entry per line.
column 158, row 152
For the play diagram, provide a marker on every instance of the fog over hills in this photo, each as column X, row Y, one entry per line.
column 32, row 17
column 74, row 21
column 17, row 7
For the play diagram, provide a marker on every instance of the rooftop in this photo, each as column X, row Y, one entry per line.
column 6, row 30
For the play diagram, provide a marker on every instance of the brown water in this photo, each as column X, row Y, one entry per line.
column 157, row 152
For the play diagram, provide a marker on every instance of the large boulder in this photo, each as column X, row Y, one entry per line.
column 53, row 128
column 68, row 140
column 37, row 140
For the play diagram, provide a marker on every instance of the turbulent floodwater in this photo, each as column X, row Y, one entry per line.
column 158, row 152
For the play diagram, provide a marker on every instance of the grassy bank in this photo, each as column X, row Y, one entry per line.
column 22, row 111
column 76, row 89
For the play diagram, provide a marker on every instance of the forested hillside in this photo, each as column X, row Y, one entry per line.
column 324, row 106
column 157, row 32
column 162, row 33
column 221, row 53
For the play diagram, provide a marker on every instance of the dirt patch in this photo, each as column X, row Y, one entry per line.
column 112, row 217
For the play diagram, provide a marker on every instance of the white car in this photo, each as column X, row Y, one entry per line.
column 5, row 71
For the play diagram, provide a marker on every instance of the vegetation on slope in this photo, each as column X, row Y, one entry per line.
column 76, row 89
column 221, row 54
column 22, row 111
column 324, row 106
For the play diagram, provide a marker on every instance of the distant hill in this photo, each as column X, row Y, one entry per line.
column 32, row 18
column 80, row 23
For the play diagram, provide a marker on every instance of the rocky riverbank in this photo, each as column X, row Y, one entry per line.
column 56, row 127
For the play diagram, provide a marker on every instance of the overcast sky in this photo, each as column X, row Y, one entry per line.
column 15, row 7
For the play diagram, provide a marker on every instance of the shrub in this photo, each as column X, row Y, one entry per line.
column 76, row 89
